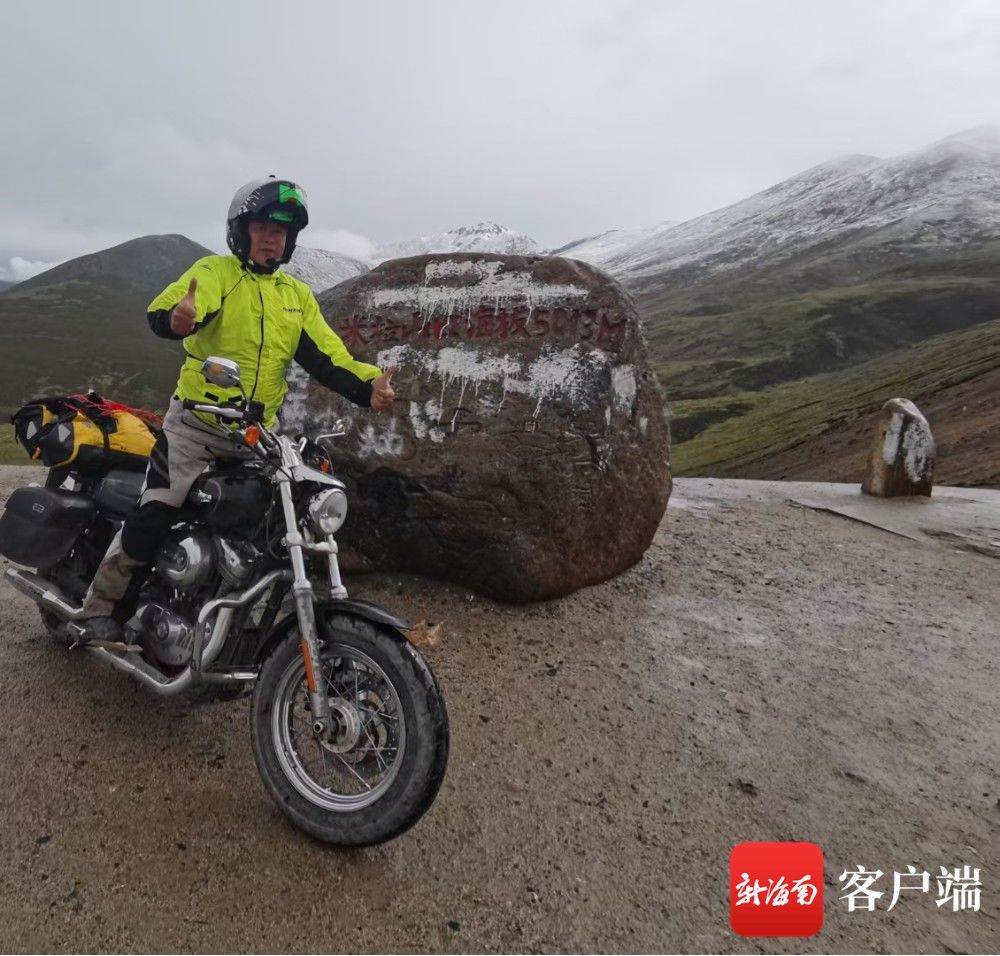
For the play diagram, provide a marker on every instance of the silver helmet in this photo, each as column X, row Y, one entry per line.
column 280, row 200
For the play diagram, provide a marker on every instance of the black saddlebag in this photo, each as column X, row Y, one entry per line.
column 39, row 525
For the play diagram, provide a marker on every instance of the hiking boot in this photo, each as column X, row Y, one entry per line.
column 111, row 581
column 93, row 629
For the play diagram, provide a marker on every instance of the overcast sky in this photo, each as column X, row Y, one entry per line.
column 557, row 119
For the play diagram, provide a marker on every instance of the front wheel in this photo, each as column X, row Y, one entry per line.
column 379, row 770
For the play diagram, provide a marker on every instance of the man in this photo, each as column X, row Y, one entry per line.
column 240, row 307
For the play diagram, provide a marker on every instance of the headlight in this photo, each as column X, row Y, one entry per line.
column 328, row 509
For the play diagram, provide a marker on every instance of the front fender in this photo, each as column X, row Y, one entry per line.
column 370, row 612
column 373, row 613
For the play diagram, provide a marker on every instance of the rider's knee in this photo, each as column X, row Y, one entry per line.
column 145, row 530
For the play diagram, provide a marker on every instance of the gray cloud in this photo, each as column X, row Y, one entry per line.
column 18, row 269
column 558, row 119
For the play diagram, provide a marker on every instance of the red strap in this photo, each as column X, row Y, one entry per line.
column 106, row 406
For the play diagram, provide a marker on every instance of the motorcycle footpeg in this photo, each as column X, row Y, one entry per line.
column 78, row 632
column 84, row 638
column 96, row 632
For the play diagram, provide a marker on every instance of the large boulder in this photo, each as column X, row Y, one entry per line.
column 528, row 451
column 901, row 459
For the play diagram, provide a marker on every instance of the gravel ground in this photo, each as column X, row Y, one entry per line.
column 766, row 672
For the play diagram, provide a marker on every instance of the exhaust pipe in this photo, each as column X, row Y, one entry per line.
column 47, row 595
column 44, row 593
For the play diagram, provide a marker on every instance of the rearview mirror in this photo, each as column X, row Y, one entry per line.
column 222, row 372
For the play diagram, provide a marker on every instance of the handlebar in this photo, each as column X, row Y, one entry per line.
column 231, row 413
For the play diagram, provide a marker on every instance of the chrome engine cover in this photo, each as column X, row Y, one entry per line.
column 166, row 635
column 185, row 560
column 236, row 559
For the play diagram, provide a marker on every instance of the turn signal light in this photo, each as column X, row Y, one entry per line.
column 252, row 435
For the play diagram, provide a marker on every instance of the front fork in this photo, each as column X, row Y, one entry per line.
column 305, row 607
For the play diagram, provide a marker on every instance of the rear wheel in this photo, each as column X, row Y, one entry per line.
column 379, row 770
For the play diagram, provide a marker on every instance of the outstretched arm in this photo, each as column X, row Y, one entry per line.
column 322, row 353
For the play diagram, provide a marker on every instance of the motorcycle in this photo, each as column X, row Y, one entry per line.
column 347, row 722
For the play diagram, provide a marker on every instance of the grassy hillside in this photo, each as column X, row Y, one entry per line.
column 721, row 434
column 87, row 333
column 10, row 452
column 733, row 339
column 82, row 324
column 754, row 366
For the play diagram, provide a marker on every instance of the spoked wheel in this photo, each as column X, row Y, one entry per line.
column 353, row 768
column 381, row 766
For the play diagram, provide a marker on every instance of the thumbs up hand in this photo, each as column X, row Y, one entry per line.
column 183, row 317
column 382, row 390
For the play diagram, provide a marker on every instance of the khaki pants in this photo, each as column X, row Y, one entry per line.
column 183, row 450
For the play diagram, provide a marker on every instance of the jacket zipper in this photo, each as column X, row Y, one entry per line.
column 260, row 350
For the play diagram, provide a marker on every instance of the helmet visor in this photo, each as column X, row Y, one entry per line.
column 279, row 201
column 291, row 194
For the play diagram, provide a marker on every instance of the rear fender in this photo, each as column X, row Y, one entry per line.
column 373, row 613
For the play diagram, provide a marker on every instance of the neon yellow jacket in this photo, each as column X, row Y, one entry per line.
column 263, row 322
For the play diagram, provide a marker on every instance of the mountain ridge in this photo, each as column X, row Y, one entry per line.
column 918, row 200
column 483, row 236
column 320, row 269
column 147, row 262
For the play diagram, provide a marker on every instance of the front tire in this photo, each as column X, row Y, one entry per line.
column 382, row 769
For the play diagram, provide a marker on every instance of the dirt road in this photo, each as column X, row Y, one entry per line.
column 767, row 672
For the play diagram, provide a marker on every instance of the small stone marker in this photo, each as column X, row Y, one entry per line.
column 901, row 461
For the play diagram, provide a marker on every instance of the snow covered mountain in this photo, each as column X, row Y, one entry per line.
column 846, row 215
column 601, row 249
column 482, row 237
column 850, row 214
column 319, row 269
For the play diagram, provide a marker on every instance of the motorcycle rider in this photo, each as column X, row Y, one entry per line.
column 242, row 307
